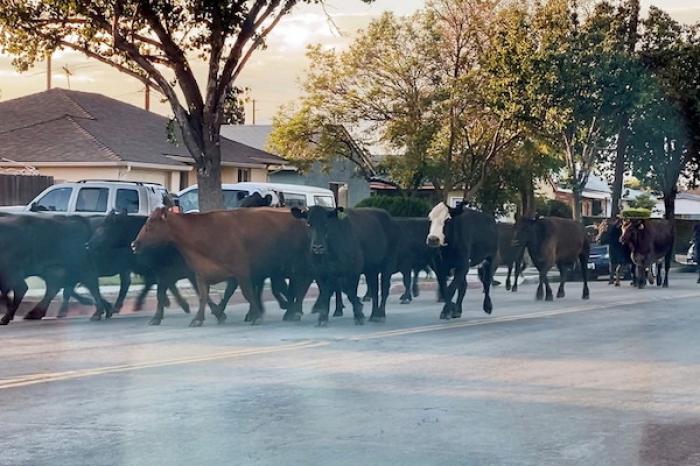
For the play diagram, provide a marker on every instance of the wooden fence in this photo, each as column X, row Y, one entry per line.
column 21, row 189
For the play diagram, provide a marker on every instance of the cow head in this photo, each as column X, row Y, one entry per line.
column 323, row 222
column 632, row 230
column 155, row 232
column 108, row 234
column 609, row 231
column 440, row 218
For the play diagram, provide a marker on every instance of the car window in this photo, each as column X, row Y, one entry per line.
column 189, row 201
column 127, row 199
column 324, row 201
column 233, row 197
column 295, row 200
column 54, row 201
column 92, row 200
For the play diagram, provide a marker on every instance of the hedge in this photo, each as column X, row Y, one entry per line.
column 398, row 206
column 636, row 213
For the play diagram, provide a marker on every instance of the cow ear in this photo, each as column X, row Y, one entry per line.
column 641, row 226
column 298, row 213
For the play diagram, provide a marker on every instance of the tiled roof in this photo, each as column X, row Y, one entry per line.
column 60, row 125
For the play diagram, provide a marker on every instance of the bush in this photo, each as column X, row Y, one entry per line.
column 643, row 201
column 398, row 206
column 553, row 208
column 636, row 213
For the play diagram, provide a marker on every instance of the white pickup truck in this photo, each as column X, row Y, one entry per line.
column 94, row 197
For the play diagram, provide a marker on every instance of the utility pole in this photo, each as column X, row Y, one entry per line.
column 48, row 71
column 253, row 111
column 147, row 98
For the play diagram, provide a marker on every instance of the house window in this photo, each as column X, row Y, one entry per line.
column 597, row 208
column 243, row 175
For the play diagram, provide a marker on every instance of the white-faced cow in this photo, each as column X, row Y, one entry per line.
column 462, row 238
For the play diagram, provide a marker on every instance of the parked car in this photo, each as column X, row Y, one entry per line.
column 289, row 195
column 90, row 197
column 598, row 264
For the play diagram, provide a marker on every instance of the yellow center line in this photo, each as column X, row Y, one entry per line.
column 33, row 379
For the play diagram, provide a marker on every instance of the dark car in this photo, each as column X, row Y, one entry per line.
column 598, row 264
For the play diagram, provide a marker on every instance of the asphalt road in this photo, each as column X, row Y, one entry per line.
column 610, row 381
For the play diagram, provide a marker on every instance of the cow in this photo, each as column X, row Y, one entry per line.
column 554, row 241
column 609, row 232
column 256, row 200
column 462, row 238
column 377, row 235
column 696, row 241
column 650, row 242
column 414, row 254
column 52, row 248
column 245, row 245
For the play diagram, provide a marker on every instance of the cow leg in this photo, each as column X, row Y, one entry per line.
column 18, row 291
column 373, row 284
column 519, row 266
column 386, row 288
column 101, row 306
column 160, row 303
column 298, row 287
column 667, row 269
column 149, row 281
column 325, row 290
column 510, row 270
column 489, row 270
column 280, row 291
column 583, row 262
column 124, row 284
column 182, row 302
column 203, row 294
column 339, row 306
column 616, row 278
column 231, row 287
column 539, row 295
column 68, row 291
column 53, row 286
column 415, row 289
column 350, row 288
column 406, row 297
column 562, row 280
column 252, row 291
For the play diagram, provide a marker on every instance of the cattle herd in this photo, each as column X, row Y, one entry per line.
column 293, row 248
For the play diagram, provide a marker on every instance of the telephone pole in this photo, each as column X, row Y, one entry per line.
column 253, row 111
column 48, row 71
column 147, row 98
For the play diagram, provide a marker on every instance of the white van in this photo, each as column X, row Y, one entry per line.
column 289, row 195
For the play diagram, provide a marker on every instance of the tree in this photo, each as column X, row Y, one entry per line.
column 234, row 107
column 413, row 86
column 643, row 201
column 666, row 130
column 156, row 42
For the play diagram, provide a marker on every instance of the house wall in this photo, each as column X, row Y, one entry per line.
column 342, row 171
column 230, row 175
column 169, row 179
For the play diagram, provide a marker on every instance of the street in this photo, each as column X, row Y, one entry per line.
column 610, row 381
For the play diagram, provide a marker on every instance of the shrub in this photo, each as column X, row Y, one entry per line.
column 398, row 206
column 643, row 201
column 636, row 213
column 553, row 208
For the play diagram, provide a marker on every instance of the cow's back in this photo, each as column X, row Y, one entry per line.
column 562, row 237
column 413, row 250
column 476, row 233
column 378, row 235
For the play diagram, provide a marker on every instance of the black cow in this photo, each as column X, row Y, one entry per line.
column 414, row 254
column 463, row 238
column 256, row 200
column 52, row 248
column 609, row 232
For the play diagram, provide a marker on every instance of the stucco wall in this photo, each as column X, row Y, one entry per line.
column 168, row 179
column 230, row 175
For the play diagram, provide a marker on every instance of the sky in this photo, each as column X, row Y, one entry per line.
column 273, row 75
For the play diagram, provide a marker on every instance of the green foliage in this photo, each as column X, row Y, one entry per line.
column 636, row 213
column 398, row 206
column 643, row 201
column 552, row 208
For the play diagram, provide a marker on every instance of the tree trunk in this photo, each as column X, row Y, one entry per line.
column 209, row 180
column 527, row 199
column 577, row 204
column 619, row 167
column 670, row 204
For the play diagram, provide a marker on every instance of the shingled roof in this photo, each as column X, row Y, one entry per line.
column 60, row 125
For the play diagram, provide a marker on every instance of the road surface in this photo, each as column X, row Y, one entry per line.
column 610, row 381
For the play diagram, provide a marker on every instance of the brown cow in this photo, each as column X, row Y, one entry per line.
column 554, row 241
column 651, row 242
column 248, row 245
column 507, row 252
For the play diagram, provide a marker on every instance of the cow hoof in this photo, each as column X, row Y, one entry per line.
column 549, row 297
column 154, row 321
column 5, row 319
column 445, row 315
column 488, row 308
column 322, row 323
column 256, row 321
column 116, row 309
column 665, row 285
column 196, row 323
column 248, row 317
column 186, row 309
column 360, row 320
column 315, row 310
column 35, row 315
column 405, row 299
column 514, row 289
column 561, row 294
column 377, row 319
column 96, row 316
column 338, row 313
column 221, row 318
column 366, row 299
column 456, row 315
column 585, row 296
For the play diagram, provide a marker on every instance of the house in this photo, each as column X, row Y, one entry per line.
column 342, row 176
column 73, row 135
column 596, row 199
